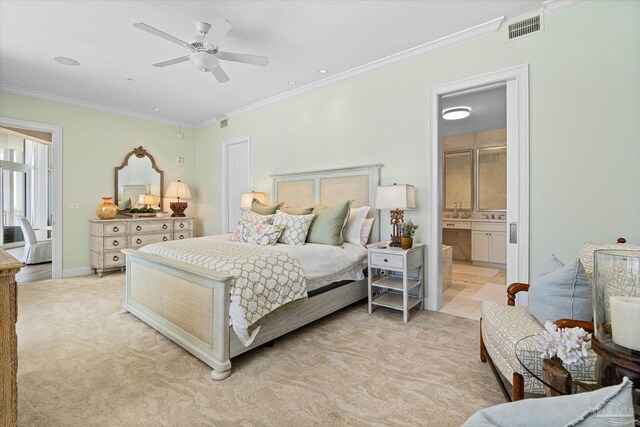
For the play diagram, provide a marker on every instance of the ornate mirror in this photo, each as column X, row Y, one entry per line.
column 136, row 176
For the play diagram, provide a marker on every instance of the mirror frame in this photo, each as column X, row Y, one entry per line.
column 444, row 180
column 477, row 178
column 139, row 153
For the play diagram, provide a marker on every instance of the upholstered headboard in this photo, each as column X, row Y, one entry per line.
column 329, row 187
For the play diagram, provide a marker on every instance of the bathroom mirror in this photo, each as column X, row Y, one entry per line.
column 492, row 179
column 137, row 175
column 458, row 180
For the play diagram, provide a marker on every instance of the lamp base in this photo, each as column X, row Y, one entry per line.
column 178, row 208
column 395, row 244
column 397, row 218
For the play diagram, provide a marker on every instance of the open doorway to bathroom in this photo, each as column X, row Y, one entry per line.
column 473, row 131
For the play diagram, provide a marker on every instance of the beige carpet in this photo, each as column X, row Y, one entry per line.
column 83, row 363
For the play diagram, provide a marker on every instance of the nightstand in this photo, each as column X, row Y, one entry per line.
column 389, row 281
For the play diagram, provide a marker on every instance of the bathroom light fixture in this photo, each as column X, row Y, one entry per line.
column 292, row 83
column 65, row 60
column 323, row 71
column 456, row 113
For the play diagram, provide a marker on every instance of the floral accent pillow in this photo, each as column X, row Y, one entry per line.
column 260, row 234
column 250, row 217
column 295, row 227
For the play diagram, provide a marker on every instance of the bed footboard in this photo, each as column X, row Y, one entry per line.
column 188, row 304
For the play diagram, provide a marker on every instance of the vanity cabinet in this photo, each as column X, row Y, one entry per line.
column 489, row 243
column 109, row 237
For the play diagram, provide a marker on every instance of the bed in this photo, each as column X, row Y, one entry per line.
column 190, row 304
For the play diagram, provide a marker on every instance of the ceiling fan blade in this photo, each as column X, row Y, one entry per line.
column 244, row 58
column 162, row 34
column 220, row 75
column 219, row 28
column 171, row 61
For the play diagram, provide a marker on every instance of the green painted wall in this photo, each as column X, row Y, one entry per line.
column 93, row 144
column 584, row 126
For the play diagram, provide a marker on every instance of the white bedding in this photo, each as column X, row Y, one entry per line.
column 322, row 264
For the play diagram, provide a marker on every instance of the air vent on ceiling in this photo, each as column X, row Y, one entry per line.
column 224, row 122
column 525, row 25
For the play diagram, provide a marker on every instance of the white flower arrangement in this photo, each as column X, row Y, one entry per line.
column 571, row 345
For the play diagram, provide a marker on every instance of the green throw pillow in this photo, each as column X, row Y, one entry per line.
column 329, row 223
column 258, row 207
column 293, row 210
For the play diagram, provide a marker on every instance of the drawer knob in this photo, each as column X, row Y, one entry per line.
column 138, row 228
column 116, row 243
column 182, row 225
column 138, row 241
column 164, row 226
column 116, row 229
column 116, row 257
column 181, row 236
column 164, row 239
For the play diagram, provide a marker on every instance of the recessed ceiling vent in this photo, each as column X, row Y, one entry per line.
column 525, row 25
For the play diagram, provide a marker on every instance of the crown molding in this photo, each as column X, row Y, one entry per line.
column 207, row 122
column 554, row 6
column 454, row 39
column 14, row 90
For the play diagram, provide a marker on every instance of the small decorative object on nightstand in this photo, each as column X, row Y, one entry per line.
column 389, row 281
column 178, row 190
column 408, row 231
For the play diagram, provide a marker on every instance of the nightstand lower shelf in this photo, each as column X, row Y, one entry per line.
column 392, row 300
column 395, row 283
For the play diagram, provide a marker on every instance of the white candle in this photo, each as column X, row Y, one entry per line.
column 625, row 321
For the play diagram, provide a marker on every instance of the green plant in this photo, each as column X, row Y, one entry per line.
column 408, row 229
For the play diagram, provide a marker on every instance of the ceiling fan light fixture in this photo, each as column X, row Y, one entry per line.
column 456, row 113
column 204, row 61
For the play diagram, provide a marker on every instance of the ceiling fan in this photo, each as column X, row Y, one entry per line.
column 205, row 56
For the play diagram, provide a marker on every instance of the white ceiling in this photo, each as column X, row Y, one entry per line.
column 488, row 112
column 299, row 38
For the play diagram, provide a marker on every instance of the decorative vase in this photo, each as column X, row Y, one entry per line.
column 406, row 242
column 106, row 210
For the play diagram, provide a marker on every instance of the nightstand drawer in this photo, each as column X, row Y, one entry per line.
column 386, row 260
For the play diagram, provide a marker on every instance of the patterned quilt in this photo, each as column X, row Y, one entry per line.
column 265, row 280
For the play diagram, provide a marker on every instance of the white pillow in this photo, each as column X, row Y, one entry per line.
column 250, row 217
column 366, row 230
column 295, row 227
column 353, row 229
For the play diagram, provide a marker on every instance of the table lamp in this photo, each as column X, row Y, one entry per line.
column 147, row 200
column 178, row 190
column 396, row 199
column 247, row 198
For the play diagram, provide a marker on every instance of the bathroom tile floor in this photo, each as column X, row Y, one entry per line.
column 470, row 286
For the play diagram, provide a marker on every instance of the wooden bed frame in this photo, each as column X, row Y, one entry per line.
column 190, row 305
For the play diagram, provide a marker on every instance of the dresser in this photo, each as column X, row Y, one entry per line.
column 109, row 237
column 9, row 266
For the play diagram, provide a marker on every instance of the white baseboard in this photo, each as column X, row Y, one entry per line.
column 72, row 272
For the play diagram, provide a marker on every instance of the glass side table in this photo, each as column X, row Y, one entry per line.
column 558, row 379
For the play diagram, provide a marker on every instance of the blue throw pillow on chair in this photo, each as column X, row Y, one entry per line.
column 561, row 292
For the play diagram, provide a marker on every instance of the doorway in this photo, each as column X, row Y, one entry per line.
column 30, row 164
column 495, row 216
column 236, row 179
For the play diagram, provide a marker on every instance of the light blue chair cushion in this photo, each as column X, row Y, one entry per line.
column 563, row 292
column 608, row 406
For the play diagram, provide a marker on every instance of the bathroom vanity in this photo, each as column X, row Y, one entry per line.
column 486, row 238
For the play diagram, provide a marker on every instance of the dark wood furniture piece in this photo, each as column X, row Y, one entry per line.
column 9, row 266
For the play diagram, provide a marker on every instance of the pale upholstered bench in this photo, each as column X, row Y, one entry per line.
column 502, row 326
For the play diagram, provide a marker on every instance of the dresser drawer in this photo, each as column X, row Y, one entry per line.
column 386, row 260
column 139, row 241
column 115, row 243
column 138, row 227
column 490, row 226
column 115, row 229
column 464, row 225
column 181, row 235
column 184, row 224
column 114, row 259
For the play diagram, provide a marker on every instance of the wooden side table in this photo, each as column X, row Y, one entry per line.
column 9, row 266
column 389, row 269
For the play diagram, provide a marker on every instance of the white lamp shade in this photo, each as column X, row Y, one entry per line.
column 392, row 197
column 178, row 190
column 150, row 200
column 247, row 199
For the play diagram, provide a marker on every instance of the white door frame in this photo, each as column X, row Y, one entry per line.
column 56, row 140
column 517, row 80
column 225, row 183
